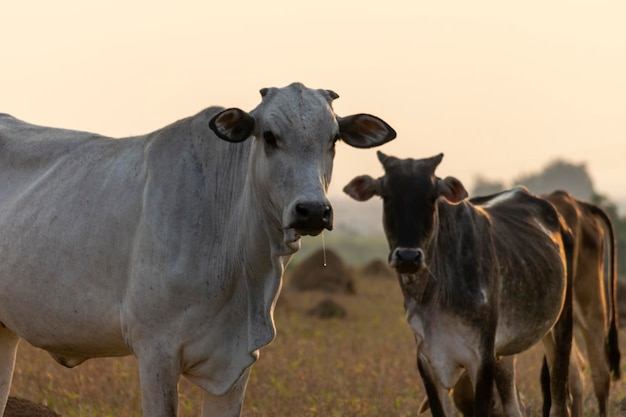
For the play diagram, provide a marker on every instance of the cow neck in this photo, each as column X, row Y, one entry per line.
column 422, row 285
column 241, row 243
column 414, row 285
column 461, row 242
column 425, row 286
column 257, row 258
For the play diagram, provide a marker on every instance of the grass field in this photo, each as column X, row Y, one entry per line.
column 362, row 365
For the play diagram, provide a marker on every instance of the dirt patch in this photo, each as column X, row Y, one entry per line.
column 311, row 274
column 328, row 309
column 377, row 268
column 19, row 407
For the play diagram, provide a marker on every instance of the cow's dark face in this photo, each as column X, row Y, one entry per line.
column 409, row 190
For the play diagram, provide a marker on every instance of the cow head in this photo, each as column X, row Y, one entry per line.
column 409, row 190
column 294, row 132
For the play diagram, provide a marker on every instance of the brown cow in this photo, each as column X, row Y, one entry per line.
column 481, row 280
column 594, row 315
column 597, row 322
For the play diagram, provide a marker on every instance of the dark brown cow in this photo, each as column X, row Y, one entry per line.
column 480, row 280
column 594, row 315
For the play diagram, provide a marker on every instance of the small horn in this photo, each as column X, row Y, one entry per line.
column 437, row 159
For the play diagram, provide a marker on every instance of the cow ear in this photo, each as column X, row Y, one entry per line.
column 362, row 188
column 329, row 95
column 452, row 189
column 232, row 125
column 365, row 131
column 332, row 95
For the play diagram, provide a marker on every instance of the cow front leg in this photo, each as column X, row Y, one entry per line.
column 438, row 399
column 229, row 404
column 484, row 385
column 159, row 374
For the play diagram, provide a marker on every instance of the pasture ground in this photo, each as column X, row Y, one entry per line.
column 362, row 365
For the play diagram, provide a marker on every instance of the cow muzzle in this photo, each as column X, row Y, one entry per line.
column 406, row 260
column 312, row 218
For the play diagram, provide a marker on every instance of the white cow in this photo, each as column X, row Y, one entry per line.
column 170, row 246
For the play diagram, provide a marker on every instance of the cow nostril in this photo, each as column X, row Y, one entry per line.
column 410, row 256
column 328, row 213
column 407, row 259
column 302, row 211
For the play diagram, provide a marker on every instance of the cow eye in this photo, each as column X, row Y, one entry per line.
column 270, row 139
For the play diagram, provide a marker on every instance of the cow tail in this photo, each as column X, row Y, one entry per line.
column 612, row 346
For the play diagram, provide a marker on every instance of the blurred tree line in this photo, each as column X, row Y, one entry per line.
column 572, row 178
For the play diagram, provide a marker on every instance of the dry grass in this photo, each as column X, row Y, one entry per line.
column 363, row 365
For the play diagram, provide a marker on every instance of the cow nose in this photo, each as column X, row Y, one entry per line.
column 406, row 260
column 312, row 218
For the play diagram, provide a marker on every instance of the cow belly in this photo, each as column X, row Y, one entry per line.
column 71, row 331
column 62, row 276
column 525, row 317
column 516, row 338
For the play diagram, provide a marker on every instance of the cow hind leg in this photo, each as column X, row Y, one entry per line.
column 557, row 371
column 507, row 387
column 575, row 388
column 558, row 343
column 557, row 347
column 600, row 373
column 8, row 349
column 575, row 383
column 591, row 314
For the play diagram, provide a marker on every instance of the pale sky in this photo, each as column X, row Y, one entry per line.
column 502, row 88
